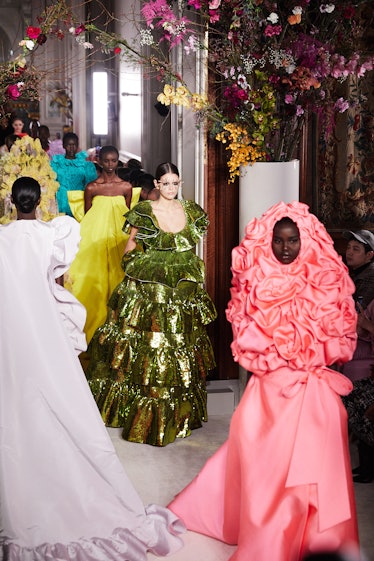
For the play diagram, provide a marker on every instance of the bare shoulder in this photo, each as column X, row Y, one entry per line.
column 94, row 186
column 125, row 186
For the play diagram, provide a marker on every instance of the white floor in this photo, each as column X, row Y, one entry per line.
column 160, row 473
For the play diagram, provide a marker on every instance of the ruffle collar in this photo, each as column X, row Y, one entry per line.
column 79, row 160
column 150, row 233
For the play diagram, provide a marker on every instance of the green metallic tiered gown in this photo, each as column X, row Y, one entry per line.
column 150, row 359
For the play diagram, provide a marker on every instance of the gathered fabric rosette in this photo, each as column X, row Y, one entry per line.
column 297, row 315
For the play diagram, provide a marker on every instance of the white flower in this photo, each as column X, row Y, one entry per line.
column 29, row 44
column 282, row 59
column 72, row 30
column 328, row 8
column 146, row 37
column 249, row 63
column 214, row 4
column 273, row 18
column 242, row 81
column 297, row 10
column 83, row 43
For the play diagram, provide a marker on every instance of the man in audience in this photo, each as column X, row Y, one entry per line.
column 360, row 260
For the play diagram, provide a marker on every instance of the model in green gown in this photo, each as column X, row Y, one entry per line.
column 150, row 359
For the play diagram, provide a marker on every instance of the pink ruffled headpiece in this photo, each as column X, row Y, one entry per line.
column 299, row 315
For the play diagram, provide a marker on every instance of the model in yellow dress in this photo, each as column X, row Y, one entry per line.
column 96, row 270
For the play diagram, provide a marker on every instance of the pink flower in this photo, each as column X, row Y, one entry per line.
column 235, row 95
column 196, row 4
column 271, row 30
column 13, row 92
column 33, row 32
column 289, row 99
column 214, row 16
column 341, row 105
column 366, row 66
column 214, row 4
column 80, row 29
column 158, row 9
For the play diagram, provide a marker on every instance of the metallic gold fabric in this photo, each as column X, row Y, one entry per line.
column 150, row 359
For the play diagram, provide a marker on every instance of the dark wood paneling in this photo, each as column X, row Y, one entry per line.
column 222, row 205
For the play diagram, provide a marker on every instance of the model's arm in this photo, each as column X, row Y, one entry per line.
column 131, row 242
column 60, row 280
column 128, row 195
column 88, row 197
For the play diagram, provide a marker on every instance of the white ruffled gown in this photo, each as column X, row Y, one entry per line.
column 64, row 493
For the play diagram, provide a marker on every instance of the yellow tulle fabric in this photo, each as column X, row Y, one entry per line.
column 96, row 270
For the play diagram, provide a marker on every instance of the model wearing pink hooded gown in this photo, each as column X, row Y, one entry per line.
column 281, row 485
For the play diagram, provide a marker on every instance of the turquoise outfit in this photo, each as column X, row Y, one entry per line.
column 150, row 359
column 72, row 175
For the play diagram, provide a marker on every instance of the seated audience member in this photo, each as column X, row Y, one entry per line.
column 363, row 357
column 360, row 408
column 360, row 401
column 18, row 124
column 360, row 260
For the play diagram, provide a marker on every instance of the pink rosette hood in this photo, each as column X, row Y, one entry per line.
column 300, row 315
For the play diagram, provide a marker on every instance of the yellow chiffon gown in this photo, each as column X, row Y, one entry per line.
column 96, row 270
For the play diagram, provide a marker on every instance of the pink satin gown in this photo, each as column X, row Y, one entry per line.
column 281, row 485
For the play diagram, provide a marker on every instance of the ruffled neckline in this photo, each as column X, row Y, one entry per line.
column 79, row 160
column 150, row 233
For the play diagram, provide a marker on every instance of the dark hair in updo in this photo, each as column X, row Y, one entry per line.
column 104, row 150
column 25, row 194
column 164, row 168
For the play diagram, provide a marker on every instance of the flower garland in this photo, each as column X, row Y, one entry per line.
column 275, row 64
column 27, row 158
column 19, row 79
